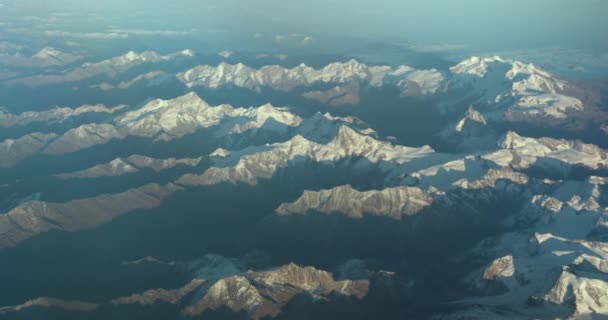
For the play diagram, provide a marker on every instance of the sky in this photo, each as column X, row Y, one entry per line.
column 466, row 22
column 567, row 34
column 496, row 24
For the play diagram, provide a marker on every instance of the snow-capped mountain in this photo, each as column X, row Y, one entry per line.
column 8, row 119
column 250, row 164
column 391, row 202
column 46, row 57
column 472, row 116
column 15, row 150
column 494, row 215
column 109, row 68
column 411, row 81
column 520, row 90
column 471, row 132
column 323, row 127
column 160, row 120
column 528, row 152
column 549, row 269
column 168, row 119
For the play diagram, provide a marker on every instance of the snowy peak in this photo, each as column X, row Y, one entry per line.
column 253, row 163
column 324, row 127
column 184, row 115
column 511, row 140
column 46, row 57
column 132, row 58
column 354, row 143
column 109, row 68
column 190, row 101
column 161, row 120
column 477, row 66
column 282, row 79
column 47, row 52
column 279, row 114
column 55, row 115
column 470, row 133
column 553, row 105
column 588, row 295
column 520, row 92
column 344, row 72
column 472, row 115
column 349, row 137
column 529, row 150
column 525, row 79
column 14, row 150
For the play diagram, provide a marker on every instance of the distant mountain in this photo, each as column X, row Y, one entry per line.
column 46, row 57
column 410, row 81
column 109, row 68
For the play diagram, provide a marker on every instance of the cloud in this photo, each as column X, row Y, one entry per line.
column 434, row 47
column 279, row 56
column 9, row 46
column 85, row 35
column 62, row 14
column 226, row 54
column 72, row 43
column 145, row 32
column 570, row 62
column 7, row 74
column 294, row 38
column 306, row 41
column 39, row 19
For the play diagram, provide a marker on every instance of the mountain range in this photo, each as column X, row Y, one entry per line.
column 261, row 212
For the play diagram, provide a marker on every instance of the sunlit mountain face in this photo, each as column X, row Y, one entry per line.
column 303, row 160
